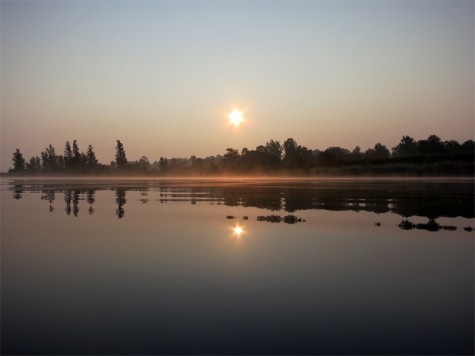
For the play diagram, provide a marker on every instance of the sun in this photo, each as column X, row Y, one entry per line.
column 236, row 117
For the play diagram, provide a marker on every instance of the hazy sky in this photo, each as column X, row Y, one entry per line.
column 162, row 76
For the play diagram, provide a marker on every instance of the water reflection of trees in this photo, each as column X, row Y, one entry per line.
column 120, row 194
column 50, row 196
column 76, row 203
column 429, row 199
column 73, row 197
column 67, row 199
column 90, row 197
column 18, row 191
column 431, row 225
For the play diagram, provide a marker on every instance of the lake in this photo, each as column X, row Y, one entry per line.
column 311, row 266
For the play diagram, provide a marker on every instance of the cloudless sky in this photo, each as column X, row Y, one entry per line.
column 161, row 76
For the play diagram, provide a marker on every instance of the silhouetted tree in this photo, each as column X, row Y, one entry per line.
column 68, row 156
column 356, row 154
column 231, row 159
column 275, row 148
column 91, row 160
column 143, row 164
column 260, row 149
column 163, row 164
column 468, row 147
column 59, row 162
column 49, row 160
column 18, row 162
column 193, row 160
column 120, row 158
column 289, row 146
column 77, row 157
column 33, row 165
column 378, row 152
column 290, row 152
column 432, row 146
column 407, row 147
column 333, row 156
column 258, row 160
column 296, row 156
column 452, row 147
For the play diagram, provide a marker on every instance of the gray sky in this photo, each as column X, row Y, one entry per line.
column 162, row 76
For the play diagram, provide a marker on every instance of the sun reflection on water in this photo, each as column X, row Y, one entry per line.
column 238, row 231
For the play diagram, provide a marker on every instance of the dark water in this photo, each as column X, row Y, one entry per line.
column 159, row 267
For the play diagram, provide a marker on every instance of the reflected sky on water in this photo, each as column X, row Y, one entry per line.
column 143, row 267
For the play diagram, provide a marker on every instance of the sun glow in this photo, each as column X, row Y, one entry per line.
column 238, row 231
column 236, row 117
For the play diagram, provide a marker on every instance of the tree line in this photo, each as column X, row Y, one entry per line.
column 423, row 157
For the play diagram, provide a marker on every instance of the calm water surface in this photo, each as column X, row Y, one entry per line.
column 304, row 267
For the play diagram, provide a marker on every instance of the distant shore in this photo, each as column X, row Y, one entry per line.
column 410, row 158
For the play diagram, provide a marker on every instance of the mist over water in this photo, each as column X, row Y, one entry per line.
column 177, row 177
column 143, row 266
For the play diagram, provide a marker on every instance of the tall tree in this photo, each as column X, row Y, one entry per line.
column 18, row 161
column 356, row 153
column 290, row 146
column 76, row 159
column 275, row 148
column 68, row 156
column 120, row 157
column 406, row 147
column 296, row 156
column 143, row 164
column 34, row 165
column 290, row 152
column 91, row 160
column 231, row 159
column 163, row 164
column 49, row 159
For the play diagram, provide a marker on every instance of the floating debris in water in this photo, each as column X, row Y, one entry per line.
column 468, row 228
column 432, row 225
column 230, row 217
column 406, row 225
column 270, row 218
column 377, row 223
column 449, row 227
column 245, row 218
column 289, row 219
